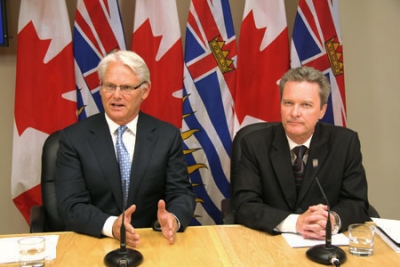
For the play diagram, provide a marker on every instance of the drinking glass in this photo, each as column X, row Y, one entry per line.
column 361, row 239
column 32, row 251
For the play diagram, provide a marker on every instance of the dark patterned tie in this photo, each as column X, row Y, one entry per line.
column 123, row 160
column 298, row 165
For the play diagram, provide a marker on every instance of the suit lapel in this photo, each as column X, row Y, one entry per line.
column 145, row 141
column 317, row 155
column 280, row 159
column 103, row 148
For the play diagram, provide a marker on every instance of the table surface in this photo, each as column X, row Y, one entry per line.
column 216, row 245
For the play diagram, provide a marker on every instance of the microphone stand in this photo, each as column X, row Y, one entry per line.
column 123, row 257
column 326, row 254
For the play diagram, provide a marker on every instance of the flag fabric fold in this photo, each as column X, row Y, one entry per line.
column 45, row 99
column 97, row 31
column 263, row 57
column 157, row 39
column 317, row 42
column 208, row 117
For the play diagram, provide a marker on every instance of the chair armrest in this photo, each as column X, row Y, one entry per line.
column 372, row 212
column 37, row 220
column 228, row 214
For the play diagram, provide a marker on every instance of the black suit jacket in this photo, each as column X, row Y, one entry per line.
column 88, row 183
column 264, row 191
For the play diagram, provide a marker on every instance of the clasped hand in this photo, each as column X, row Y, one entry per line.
column 167, row 222
column 312, row 223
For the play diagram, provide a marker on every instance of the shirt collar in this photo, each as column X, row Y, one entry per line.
column 132, row 125
column 292, row 144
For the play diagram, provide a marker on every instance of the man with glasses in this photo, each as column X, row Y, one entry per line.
column 122, row 159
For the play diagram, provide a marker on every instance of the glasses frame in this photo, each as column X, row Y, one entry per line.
column 126, row 89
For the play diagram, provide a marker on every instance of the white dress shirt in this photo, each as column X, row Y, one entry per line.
column 129, row 139
column 288, row 225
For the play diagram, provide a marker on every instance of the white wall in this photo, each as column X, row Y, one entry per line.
column 371, row 55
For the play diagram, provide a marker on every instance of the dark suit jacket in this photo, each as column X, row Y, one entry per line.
column 264, row 191
column 88, row 183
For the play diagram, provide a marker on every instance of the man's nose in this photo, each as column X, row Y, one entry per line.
column 295, row 110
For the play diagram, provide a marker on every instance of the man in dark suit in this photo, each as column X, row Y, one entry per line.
column 266, row 194
column 88, row 182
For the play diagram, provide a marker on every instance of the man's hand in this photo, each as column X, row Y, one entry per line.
column 167, row 222
column 132, row 238
column 312, row 223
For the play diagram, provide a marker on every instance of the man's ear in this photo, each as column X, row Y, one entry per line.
column 146, row 90
column 323, row 110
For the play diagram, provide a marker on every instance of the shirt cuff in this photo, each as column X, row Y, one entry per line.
column 338, row 223
column 107, row 227
column 288, row 225
column 178, row 222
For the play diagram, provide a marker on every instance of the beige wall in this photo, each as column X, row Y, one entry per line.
column 371, row 42
column 371, row 51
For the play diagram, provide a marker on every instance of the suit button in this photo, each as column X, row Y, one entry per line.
column 299, row 210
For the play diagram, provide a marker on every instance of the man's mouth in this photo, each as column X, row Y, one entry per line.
column 115, row 105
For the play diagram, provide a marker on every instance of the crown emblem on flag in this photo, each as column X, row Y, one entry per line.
column 334, row 55
column 220, row 55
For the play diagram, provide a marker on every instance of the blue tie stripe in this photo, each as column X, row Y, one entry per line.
column 123, row 160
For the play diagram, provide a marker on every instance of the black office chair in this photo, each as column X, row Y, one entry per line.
column 226, row 206
column 372, row 212
column 45, row 218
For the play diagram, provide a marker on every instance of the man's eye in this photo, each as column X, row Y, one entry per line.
column 287, row 103
column 126, row 88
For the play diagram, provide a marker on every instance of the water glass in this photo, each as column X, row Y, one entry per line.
column 361, row 239
column 32, row 251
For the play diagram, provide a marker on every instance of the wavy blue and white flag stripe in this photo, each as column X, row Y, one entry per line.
column 208, row 117
column 317, row 42
column 97, row 31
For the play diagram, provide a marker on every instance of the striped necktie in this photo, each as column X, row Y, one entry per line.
column 123, row 160
column 298, row 165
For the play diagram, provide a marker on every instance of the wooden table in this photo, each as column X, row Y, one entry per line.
column 222, row 245
column 247, row 247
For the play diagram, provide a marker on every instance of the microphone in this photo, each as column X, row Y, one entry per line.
column 123, row 257
column 326, row 254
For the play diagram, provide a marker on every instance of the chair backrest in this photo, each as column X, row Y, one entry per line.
column 236, row 152
column 53, row 221
column 236, row 148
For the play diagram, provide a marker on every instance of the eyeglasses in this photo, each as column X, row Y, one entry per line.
column 126, row 89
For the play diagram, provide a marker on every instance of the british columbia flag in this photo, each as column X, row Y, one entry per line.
column 209, row 82
column 317, row 42
column 97, row 31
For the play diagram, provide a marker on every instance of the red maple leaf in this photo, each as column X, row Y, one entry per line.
column 257, row 92
column 39, row 87
column 166, row 75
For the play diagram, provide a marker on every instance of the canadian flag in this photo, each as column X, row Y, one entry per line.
column 45, row 96
column 157, row 39
column 263, row 57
